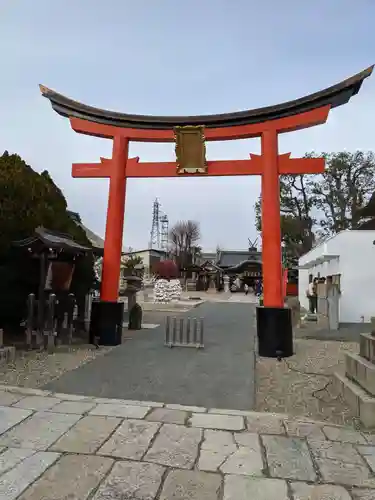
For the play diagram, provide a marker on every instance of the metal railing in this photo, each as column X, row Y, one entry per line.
column 185, row 332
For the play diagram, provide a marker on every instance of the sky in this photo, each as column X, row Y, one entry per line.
column 171, row 57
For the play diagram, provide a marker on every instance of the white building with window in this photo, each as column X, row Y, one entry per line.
column 150, row 258
column 346, row 259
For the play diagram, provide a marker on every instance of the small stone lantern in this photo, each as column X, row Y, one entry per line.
column 133, row 285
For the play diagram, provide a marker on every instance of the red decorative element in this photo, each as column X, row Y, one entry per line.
column 288, row 124
column 115, row 224
column 254, row 166
column 167, row 269
column 269, row 165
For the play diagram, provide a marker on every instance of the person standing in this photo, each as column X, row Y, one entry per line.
column 312, row 295
column 246, row 288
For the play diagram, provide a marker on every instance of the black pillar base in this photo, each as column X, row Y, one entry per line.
column 275, row 332
column 106, row 323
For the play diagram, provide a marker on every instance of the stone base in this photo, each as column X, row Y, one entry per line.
column 274, row 332
column 367, row 346
column 362, row 404
column 7, row 355
column 106, row 323
column 361, row 371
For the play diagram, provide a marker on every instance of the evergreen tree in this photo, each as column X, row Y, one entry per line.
column 29, row 200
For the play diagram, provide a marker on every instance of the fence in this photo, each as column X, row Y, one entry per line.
column 184, row 332
column 42, row 326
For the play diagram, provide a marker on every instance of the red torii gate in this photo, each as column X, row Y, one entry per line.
column 119, row 168
column 266, row 123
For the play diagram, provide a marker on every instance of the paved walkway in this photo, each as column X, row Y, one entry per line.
column 59, row 447
column 220, row 375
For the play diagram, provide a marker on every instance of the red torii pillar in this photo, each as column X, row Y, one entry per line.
column 270, row 165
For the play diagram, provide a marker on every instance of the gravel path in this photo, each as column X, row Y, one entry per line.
column 280, row 388
column 219, row 376
column 36, row 368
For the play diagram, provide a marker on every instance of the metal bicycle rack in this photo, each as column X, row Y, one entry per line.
column 185, row 332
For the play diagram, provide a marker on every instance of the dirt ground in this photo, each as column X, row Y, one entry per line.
column 291, row 386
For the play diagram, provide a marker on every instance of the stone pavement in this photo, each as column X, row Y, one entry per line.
column 59, row 447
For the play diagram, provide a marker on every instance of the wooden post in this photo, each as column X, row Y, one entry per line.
column 271, row 230
column 115, row 221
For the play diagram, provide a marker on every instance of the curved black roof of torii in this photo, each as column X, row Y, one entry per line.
column 333, row 96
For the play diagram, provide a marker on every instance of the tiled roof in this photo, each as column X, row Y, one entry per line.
column 230, row 258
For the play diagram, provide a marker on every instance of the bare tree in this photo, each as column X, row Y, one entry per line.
column 183, row 237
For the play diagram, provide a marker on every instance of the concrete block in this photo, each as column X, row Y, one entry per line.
column 367, row 346
column 361, row 371
column 362, row 404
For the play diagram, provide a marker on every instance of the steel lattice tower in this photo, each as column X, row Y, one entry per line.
column 159, row 228
column 164, row 232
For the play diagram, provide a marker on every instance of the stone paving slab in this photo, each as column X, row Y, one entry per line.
column 89, row 449
column 11, row 416
column 246, row 488
column 211, row 421
column 73, row 477
column 289, row 457
column 87, row 435
column 175, row 446
column 7, row 398
column 17, row 479
column 130, row 440
column 304, row 491
column 39, row 431
column 131, row 480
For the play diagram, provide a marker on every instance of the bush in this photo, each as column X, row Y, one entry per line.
column 29, row 200
column 167, row 269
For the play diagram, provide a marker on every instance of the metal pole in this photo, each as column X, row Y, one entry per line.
column 41, row 297
column 201, row 333
column 174, row 331
column 51, row 321
column 188, row 330
column 71, row 305
column 181, row 330
column 167, row 330
column 195, row 330
column 30, row 320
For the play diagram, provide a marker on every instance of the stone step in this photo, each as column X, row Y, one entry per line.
column 360, row 370
column 367, row 346
column 362, row 404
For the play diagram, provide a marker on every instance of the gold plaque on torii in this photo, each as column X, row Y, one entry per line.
column 190, row 150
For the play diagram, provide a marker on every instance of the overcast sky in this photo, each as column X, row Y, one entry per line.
column 178, row 57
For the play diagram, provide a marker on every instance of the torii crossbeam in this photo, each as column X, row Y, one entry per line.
column 190, row 134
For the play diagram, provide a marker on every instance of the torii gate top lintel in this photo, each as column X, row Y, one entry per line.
column 241, row 124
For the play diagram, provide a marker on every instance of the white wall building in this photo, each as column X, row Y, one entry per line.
column 351, row 255
column 150, row 257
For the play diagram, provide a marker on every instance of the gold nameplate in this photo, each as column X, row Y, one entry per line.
column 190, row 150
